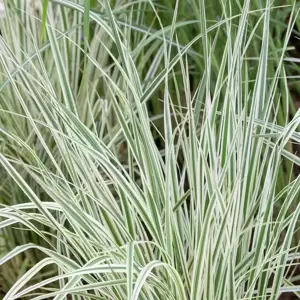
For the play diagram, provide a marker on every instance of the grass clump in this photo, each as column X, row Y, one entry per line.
column 142, row 160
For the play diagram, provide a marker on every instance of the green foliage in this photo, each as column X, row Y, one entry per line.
column 146, row 150
column 44, row 17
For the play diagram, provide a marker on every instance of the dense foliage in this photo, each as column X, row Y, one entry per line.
column 148, row 150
